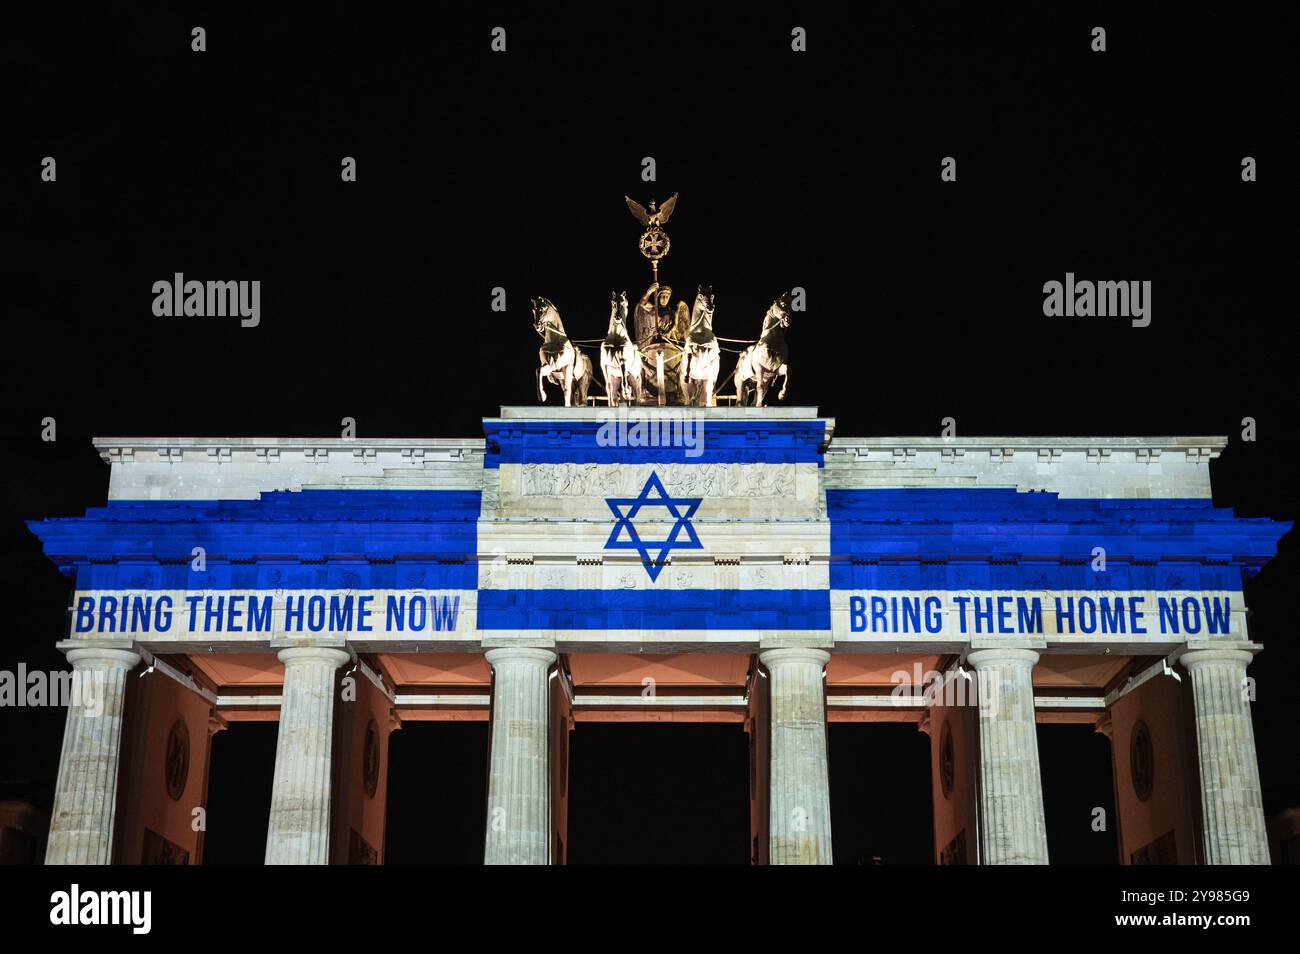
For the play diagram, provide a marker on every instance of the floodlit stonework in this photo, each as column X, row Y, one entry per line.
column 774, row 574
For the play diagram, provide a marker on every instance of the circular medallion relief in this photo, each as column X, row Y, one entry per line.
column 176, row 765
column 370, row 759
column 1142, row 763
column 947, row 763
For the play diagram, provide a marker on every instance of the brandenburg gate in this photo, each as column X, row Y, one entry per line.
column 696, row 564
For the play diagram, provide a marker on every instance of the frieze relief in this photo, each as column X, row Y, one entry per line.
column 699, row 480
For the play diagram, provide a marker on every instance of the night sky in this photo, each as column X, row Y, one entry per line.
column 478, row 170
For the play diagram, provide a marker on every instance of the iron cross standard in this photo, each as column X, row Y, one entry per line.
column 654, row 242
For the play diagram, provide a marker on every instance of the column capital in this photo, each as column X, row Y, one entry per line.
column 333, row 657
column 1002, row 656
column 519, row 654
column 333, row 651
column 1232, row 653
column 100, row 653
column 794, row 655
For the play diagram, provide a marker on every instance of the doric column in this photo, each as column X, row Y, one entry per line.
column 519, row 781
column 1012, row 828
column 85, row 795
column 800, row 814
column 298, row 833
column 1232, row 809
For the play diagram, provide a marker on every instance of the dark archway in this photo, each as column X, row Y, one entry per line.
column 881, row 809
column 1075, row 764
column 437, row 793
column 659, row 793
column 240, row 777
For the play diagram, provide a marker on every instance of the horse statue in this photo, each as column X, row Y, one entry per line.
column 620, row 361
column 562, row 363
column 760, row 364
column 701, row 354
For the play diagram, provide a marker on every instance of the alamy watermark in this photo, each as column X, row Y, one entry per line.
column 624, row 426
column 956, row 687
column 85, row 688
column 75, row 906
column 1088, row 299
column 194, row 299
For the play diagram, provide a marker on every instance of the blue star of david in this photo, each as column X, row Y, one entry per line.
column 625, row 511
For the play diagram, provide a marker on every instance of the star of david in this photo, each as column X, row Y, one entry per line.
column 681, row 509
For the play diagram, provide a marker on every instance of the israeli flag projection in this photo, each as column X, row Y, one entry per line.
column 725, row 529
column 708, row 539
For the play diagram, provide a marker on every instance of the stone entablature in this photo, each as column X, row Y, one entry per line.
column 1138, row 467
column 241, row 468
column 769, row 529
column 155, row 468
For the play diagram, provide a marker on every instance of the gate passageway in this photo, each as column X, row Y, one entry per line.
column 659, row 793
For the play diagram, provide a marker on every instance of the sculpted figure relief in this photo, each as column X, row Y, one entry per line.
column 711, row 480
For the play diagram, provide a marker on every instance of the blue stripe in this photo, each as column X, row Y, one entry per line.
column 654, row 609
column 403, row 575
column 596, row 442
column 938, row 525
column 945, row 503
column 429, row 526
